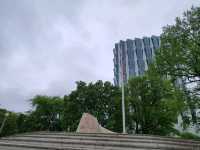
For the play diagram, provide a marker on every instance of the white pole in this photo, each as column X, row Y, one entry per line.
column 123, row 108
column 123, row 105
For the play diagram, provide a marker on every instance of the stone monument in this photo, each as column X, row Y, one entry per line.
column 89, row 124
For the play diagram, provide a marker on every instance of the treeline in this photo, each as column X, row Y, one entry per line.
column 101, row 99
column 154, row 101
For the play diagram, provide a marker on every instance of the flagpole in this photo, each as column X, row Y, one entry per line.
column 123, row 105
column 123, row 109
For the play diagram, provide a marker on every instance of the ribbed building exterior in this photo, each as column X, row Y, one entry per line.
column 132, row 57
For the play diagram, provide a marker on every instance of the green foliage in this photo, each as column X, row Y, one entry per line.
column 10, row 126
column 179, row 58
column 155, row 104
column 26, row 123
column 47, row 115
column 48, row 112
column 187, row 135
column 179, row 54
column 100, row 99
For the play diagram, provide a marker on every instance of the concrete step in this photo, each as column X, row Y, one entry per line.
column 90, row 143
column 42, row 138
column 53, row 146
column 17, row 148
column 120, row 137
column 34, row 146
column 77, row 141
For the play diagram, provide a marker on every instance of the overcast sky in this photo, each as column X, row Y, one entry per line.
column 47, row 45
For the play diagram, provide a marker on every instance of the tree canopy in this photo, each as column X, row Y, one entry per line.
column 179, row 53
column 48, row 112
column 178, row 58
column 100, row 99
column 154, row 104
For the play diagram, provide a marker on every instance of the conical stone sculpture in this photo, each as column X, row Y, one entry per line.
column 89, row 124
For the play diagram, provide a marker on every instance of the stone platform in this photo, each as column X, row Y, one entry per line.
column 93, row 141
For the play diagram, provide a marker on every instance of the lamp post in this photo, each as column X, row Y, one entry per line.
column 3, row 123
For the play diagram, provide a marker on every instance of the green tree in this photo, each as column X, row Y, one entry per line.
column 179, row 57
column 21, row 123
column 10, row 126
column 48, row 112
column 99, row 99
column 154, row 104
column 179, row 53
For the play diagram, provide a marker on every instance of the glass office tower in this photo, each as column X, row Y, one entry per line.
column 132, row 57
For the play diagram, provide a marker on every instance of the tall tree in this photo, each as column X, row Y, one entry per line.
column 179, row 54
column 48, row 112
column 154, row 104
column 99, row 99
column 179, row 58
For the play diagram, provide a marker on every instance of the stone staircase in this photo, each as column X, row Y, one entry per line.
column 83, row 141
